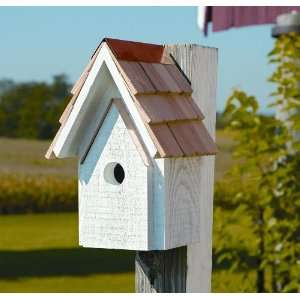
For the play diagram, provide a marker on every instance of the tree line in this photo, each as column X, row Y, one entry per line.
column 31, row 109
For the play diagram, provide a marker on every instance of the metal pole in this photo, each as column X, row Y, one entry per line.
column 287, row 23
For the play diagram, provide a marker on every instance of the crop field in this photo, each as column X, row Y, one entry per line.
column 20, row 156
column 40, row 252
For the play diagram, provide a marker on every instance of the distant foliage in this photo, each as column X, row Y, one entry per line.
column 221, row 122
column 222, row 119
column 5, row 85
column 25, row 194
column 32, row 110
column 265, row 188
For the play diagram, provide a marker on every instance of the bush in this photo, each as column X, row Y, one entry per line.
column 24, row 194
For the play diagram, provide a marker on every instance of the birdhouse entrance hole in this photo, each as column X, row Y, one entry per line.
column 114, row 173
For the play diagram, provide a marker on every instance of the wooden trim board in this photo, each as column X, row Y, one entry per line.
column 86, row 152
column 61, row 147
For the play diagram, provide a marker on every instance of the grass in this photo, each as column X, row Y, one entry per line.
column 40, row 253
column 38, row 231
column 122, row 283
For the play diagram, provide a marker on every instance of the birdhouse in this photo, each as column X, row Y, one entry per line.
column 137, row 133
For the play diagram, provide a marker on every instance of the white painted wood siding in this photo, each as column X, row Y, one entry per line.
column 182, row 212
column 113, row 216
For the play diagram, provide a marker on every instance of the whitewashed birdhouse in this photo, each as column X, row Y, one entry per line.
column 137, row 133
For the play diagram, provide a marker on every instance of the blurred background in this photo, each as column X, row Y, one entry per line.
column 43, row 51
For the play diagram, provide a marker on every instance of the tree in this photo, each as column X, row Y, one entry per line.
column 32, row 110
column 5, row 85
column 267, row 181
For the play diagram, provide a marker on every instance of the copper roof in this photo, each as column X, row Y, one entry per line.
column 163, row 96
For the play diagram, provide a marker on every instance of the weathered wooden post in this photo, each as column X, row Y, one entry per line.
column 142, row 124
column 188, row 269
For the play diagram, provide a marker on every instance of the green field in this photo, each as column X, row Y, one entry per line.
column 40, row 253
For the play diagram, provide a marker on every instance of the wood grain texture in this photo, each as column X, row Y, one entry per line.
column 193, row 138
column 197, row 109
column 182, row 206
column 164, row 140
column 200, row 65
column 161, row 78
column 136, row 77
column 163, row 108
column 137, row 51
column 161, row 271
column 187, row 106
column 179, row 78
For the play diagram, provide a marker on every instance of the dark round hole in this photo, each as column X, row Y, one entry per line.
column 119, row 173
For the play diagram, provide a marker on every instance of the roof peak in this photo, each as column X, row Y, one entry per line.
column 108, row 39
column 138, row 51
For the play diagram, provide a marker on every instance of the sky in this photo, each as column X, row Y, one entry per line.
column 39, row 42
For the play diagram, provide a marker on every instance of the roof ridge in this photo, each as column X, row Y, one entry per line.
column 107, row 39
column 137, row 51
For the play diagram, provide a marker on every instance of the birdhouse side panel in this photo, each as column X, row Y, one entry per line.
column 182, row 212
column 113, row 214
column 157, row 206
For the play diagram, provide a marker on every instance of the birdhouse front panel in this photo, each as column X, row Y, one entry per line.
column 113, row 190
